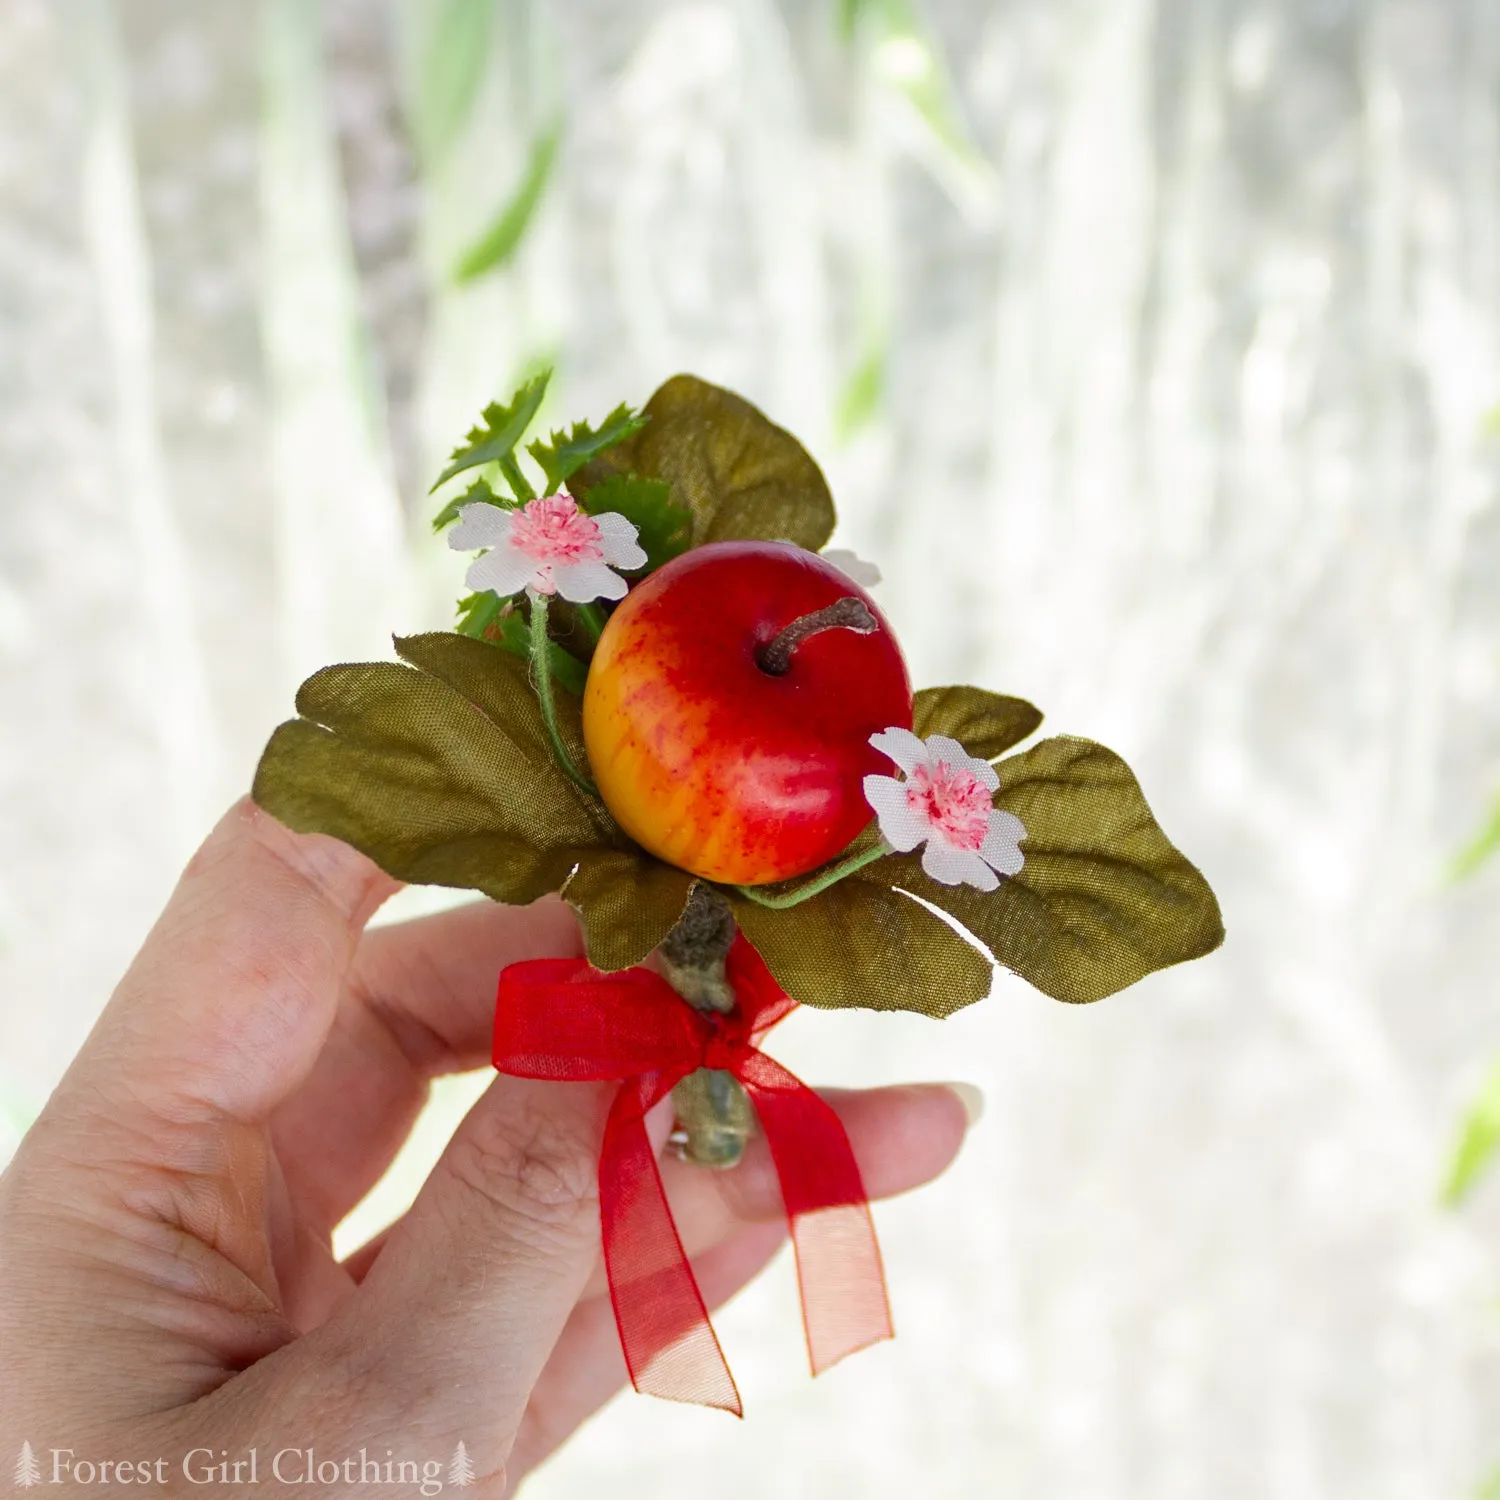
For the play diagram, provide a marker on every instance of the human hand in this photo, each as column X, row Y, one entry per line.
column 167, row 1280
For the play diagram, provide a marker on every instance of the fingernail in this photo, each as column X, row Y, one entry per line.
column 971, row 1096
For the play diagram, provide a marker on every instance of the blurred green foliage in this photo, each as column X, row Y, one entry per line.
column 500, row 241
column 862, row 394
column 453, row 54
column 16, row 1111
column 1479, row 1139
column 1479, row 1134
column 1485, row 845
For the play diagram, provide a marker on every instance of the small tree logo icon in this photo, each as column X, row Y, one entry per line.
column 28, row 1470
column 461, row 1469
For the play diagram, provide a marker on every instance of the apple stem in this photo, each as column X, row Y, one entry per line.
column 541, row 671
column 831, row 875
column 848, row 613
column 714, row 1115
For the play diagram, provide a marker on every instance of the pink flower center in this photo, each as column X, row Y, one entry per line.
column 553, row 530
column 953, row 801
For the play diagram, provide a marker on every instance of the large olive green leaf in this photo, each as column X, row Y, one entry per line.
column 628, row 903
column 738, row 473
column 985, row 724
column 1103, row 899
column 859, row 944
column 442, row 772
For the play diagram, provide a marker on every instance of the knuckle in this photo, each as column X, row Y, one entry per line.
column 531, row 1167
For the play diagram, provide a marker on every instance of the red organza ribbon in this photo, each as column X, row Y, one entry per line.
column 559, row 1018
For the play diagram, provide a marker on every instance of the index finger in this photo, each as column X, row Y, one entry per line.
column 224, row 1010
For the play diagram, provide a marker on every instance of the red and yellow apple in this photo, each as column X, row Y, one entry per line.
column 709, row 760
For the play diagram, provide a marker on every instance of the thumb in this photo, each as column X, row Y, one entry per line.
column 450, row 1329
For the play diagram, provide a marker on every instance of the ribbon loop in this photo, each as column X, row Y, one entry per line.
column 561, row 1019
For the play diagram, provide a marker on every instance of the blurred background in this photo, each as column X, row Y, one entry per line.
column 1152, row 348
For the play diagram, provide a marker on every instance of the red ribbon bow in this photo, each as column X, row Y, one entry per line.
column 559, row 1018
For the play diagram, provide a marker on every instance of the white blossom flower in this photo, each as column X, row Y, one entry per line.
column 946, row 800
column 549, row 546
column 852, row 566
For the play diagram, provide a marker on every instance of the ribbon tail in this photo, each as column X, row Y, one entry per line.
column 844, row 1303
column 670, row 1346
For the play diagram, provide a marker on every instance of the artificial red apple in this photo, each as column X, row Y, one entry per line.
column 722, row 741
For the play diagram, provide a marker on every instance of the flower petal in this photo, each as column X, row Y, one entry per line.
column 902, row 746
column 583, row 582
column 480, row 525
column 504, row 569
column 950, row 753
column 901, row 825
column 950, row 866
column 618, row 539
column 1001, row 849
column 852, row 566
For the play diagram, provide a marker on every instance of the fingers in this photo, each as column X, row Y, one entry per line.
column 902, row 1137
column 587, row 1366
column 731, row 1224
column 456, row 1317
column 431, row 982
column 419, row 1001
column 225, row 1008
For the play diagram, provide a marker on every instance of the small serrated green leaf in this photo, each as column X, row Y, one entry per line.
column 513, row 634
column 567, row 452
column 1478, row 1142
column 478, row 493
column 664, row 530
column 500, row 428
column 735, row 471
column 487, row 617
column 500, row 241
column 478, row 614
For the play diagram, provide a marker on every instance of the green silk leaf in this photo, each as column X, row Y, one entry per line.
column 628, row 903
column 501, row 427
column 441, row 772
column 985, row 724
column 1103, row 899
column 478, row 493
column 503, row 237
column 863, row 945
column 567, row 452
column 730, row 467
column 664, row 530
column 1478, row 1143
